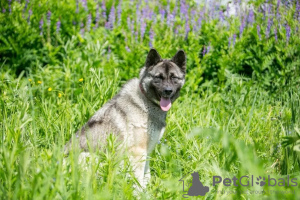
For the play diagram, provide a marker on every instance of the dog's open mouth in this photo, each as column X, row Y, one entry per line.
column 165, row 103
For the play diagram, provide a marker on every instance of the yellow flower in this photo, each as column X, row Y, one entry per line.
column 80, row 80
column 39, row 82
column 49, row 89
column 30, row 79
column 59, row 95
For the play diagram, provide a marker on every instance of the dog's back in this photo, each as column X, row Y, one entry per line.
column 128, row 115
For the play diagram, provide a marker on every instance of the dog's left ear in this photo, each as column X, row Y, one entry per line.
column 180, row 60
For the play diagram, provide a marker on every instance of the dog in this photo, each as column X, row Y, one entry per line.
column 137, row 114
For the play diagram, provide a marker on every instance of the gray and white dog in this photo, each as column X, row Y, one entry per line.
column 137, row 114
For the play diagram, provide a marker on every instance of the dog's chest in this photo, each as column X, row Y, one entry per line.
column 155, row 133
column 156, row 128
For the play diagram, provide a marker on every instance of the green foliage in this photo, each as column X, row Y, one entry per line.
column 238, row 103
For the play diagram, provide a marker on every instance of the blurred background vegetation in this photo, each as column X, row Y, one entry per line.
column 237, row 115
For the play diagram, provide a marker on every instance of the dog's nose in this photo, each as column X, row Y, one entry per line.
column 168, row 91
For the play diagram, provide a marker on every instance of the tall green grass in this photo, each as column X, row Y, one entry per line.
column 231, row 131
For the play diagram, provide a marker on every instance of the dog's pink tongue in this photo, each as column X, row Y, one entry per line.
column 165, row 104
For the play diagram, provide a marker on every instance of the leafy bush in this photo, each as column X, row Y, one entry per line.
column 261, row 41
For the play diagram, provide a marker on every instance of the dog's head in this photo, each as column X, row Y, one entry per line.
column 162, row 79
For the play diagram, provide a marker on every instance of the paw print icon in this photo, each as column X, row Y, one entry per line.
column 260, row 181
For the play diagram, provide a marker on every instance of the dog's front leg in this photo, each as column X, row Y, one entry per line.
column 147, row 174
column 138, row 161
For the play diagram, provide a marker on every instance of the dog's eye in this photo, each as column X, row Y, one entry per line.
column 174, row 78
column 158, row 77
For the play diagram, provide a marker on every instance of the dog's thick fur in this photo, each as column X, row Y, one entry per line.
column 134, row 115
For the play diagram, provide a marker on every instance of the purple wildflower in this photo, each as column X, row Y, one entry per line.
column 154, row 18
column 233, row 39
column 227, row 10
column 82, row 29
column 275, row 33
column 26, row 5
column 132, row 28
column 3, row 10
column 288, row 33
column 84, row 4
column 221, row 16
column 187, row 27
column 269, row 27
column 176, row 30
column 41, row 26
column 9, row 4
column 229, row 42
column 242, row 26
column 136, row 34
column 263, row 10
column 151, row 37
column 106, row 25
column 269, row 8
column 97, row 17
column 277, row 10
column 58, row 23
column 258, row 31
column 144, row 13
column 286, row 7
column 111, row 17
column 89, row 21
column 237, row 6
column 251, row 16
column 170, row 18
column 212, row 9
column 77, row 6
column 162, row 13
column 127, row 48
column 49, row 18
column 183, row 9
column 143, row 28
column 29, row 16
column 150, row 14
column 199, row 22
column 103, row 7
column 208, row 48
column 204, row 50
column 119, row 12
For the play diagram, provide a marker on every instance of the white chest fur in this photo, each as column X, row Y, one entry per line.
column 154, row 135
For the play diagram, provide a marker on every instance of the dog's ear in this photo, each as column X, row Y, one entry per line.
column 152, row 58
column 180, row 60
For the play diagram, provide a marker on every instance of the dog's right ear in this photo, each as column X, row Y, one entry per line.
column 152, row 58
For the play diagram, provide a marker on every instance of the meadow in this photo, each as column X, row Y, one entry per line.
column 238, row 113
